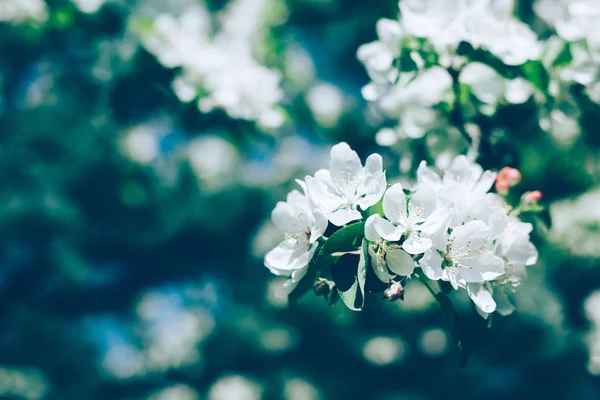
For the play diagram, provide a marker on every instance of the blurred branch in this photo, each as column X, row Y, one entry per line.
column 457, row 112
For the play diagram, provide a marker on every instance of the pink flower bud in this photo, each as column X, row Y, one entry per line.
column 511, row 175
column 507, row 178
column 532, row 197
column 394, row 292
column 502, row 187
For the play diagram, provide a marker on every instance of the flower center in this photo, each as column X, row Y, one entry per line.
column 457, row 255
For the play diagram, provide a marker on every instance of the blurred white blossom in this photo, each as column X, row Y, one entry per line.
column 219, row 64
column 235, row 387
column 576, row 223
column 23, row 10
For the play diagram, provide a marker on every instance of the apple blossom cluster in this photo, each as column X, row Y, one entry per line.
column 448, row 228
column 419, row 59
column 219, row 67
column 572, row 57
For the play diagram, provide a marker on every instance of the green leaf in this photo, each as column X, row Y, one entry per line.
column 451, row 321
column 348, row 238
column 377, row 208
column 350, row 280
column 557, row 53
column 406, row 62
column 536, row 73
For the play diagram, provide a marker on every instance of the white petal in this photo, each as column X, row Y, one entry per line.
column 464, row 172
column 289, row 255
column 381, row 271
column 485, row 183
column 285, row 217
column 345, row 169
column 473, row 235
column 390, row 32
column 423, row 200
column 438, row 220
column 370, row 232
column 416, row 244
column 374, row 183
column 302, row 206
column 318, row 226
column 299, row 274
column 286, row 288
column 517, row 91
column 485, row 267
column 344, row 215
column 302, row 184
column 431, row 264
column 394, row 205
column 518, row 250
column 427, row 176
column 503, row 305
column 481, row 297
column 399, row 262
column 387, row 230
column 532, row 253
column 322, row 195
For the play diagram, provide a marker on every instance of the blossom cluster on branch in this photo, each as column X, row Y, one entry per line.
column 448, row 228
column 218, row 61
column 441, row 64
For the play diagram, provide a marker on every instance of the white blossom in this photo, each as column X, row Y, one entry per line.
column 464, row 257
column 23, row 10
column 347, row 185
column 416, row 218
column 464, row 184
column 301, row 225
column 491, row 88
column 219, row 64
column 386, row 257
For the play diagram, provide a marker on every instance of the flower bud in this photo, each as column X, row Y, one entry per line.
column 532, row 197
column 507, row 178
column 394, row 292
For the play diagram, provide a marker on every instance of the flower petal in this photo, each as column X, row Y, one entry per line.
column 399, row 262
column 394, row 205
column 288, row 256
column 344, row 215
column 503, row 305
column 481, row 297
column 431, row 264
column 380, row 270
column 287, row 219
column 427, row 176
column 318, row 225
column 423, row 201
column 321, row 194
column 463, row 172
column 415, row 244
column 485, row 267
column 485, row 183
column 370, row 232
column 345, row 169
column 374, row 183
column 473, row 234
column 387, row 230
